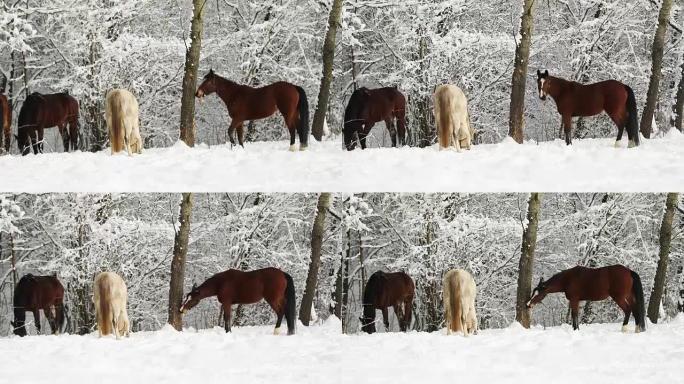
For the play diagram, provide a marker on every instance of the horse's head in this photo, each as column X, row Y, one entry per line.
column 543, row 83
column 191, row 299
column 538, row 293
column 208, row 86
column 367, row 324
column 354, row 116
column 18, row 328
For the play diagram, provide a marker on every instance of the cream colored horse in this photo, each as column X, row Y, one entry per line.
column 121, row 113
column 109, row 296
column 459, row 302
column 451, row 116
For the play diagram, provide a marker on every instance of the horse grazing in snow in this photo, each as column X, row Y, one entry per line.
column 369, row 106
column 240, row 287
column 34, row 293
column 575, row 99
column 453, row 120
column 45, row 111
column 384, row 290
column 594, row 284
column 110, row 296
column 121, row 113
column 459, row 302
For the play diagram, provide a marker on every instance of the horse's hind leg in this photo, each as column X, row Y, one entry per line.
column 65, row 136
column 226, row 316
column 385, row 319
column 241, row 134
column 621, row 127
column 574, row 308
column 567, row 128
column 73, row 135
column 392, row 130
column 400, row 316
column 626, row 309
column 231, row 130
column 362, row 139
column 51, row 319
column 36, row 319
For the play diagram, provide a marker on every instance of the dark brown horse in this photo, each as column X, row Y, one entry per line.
column 239, row 287
column 594, row 284
column 34, row 293
column 5, row 121
column 46, row 111
column 368, row 106
column 247, row 103
column 575, row 99
column 385, row 290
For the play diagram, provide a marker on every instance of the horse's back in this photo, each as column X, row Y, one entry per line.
column 113, row 283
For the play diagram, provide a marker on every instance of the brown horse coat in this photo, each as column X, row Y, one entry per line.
column 46, row 111
column 240, row 287
column 34, row 293
column 369, row 106
column 384, row 290
column 594, row 284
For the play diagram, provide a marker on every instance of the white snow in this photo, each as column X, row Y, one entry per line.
column 588, row 165
column 598, row 353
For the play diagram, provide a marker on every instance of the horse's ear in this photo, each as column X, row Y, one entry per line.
column 194, row 286
column 541, row 280
column 211, row 71
column 538, row 73
column 546, row 72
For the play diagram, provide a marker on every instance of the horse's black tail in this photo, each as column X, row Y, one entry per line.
column 638, row 310
column 303, row 125
column 290, row 305
column 632, row 119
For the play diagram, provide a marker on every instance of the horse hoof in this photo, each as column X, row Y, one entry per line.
column 303, row 147
column 631, row 144
column 624, row 329
column 617, row 143
column 276, row 331
column 293, row 148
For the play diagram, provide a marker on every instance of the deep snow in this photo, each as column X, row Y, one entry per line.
column 587, row 166
column 598, row 353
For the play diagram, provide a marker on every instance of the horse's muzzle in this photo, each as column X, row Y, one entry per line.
column 199, row 94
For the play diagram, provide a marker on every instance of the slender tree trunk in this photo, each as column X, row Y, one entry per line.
column 656, row 65
column 663, row 258
column 192, row 56
column 525, row 267
column 316, row 248
column 679, row 103
column 516, row 120
column 326, row 79
column 180, row 252
column 345, row 285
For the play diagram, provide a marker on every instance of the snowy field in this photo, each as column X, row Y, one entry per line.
column 320, row 354
column 588, row 165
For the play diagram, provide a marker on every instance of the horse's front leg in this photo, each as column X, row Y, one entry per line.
column 362, row 139
column 36, row 319
column 65, row 136
column 226, row 316
column 574, row 310
column 385, row 319
column 392, row 130
column 231, row 130
column 51, row 319
column 241, row 134
column 400, row 315
column 567, row 127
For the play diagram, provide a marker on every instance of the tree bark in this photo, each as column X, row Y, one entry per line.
column 180, row 252
column 192, row 56
column 316, row 248
column 663, row 258
column 656, row 65
column 516, row 120
column 326, row 79
column 679, row 104
column 529, row 242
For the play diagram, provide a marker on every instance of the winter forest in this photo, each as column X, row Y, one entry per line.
column 76, row 236
column 87, row 48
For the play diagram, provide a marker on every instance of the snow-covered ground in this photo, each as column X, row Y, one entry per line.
column 588, row 165
column 597, row 353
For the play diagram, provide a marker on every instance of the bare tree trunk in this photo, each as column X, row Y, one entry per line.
column 516, row 120
column 656, row 65
column 345, row 285
column 679, row 103
column 326, row 80
column 316, row 248
column 663, row 258
column 192, row 56
column 180, row 252
column 525, row 267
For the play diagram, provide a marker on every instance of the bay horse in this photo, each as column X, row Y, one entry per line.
column 34, row 293
column 121, row 114
column 452, row 118
column 384, row 290
column 369, row 106
column 240, row 287
column 575, row 99
column 459, row 302
column 5, row 121
column 248, row 103
column 46, row 111
column 594, row 284
column 110, row 296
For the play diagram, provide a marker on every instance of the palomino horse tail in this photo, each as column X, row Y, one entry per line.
column 453, row 310
column 632, row 120
column 104, row 307
column 116, row 130
column 639, row 308
column 290, row 305
column 445, row 116
column 303, row 124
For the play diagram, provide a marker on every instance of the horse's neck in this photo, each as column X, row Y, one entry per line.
column 226, row 89
column 556, row 283
column 209, row 288
column 558, row 86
